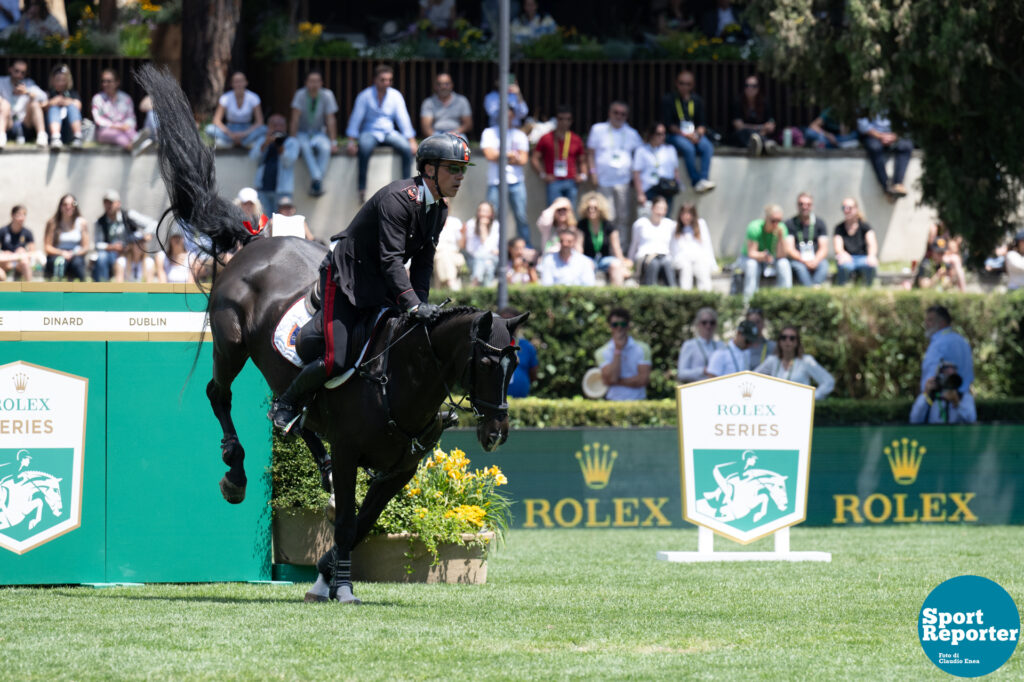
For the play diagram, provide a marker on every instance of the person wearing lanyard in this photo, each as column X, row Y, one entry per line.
column 682, row 112
column 559, row 159
column 610, row 147
column 695, row 353
column 314, row 125
column 733, row 358
column 790, row 363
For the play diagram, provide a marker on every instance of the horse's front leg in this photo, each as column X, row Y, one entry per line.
column 334, row 581
column 37, row 506
column 382, row 489
column 764, row 507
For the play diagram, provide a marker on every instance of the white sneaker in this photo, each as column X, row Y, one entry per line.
column 755, row 145
column 42, row 139
column 56, row 143
column 20, row 139
column 703, row 185
column 76, row 143
column 3, row 139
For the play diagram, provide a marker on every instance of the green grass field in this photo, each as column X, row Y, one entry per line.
column 558, row 605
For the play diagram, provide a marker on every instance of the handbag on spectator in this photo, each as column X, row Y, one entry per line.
column 668, row 186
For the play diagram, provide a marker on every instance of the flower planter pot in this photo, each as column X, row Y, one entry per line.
column 302, row 536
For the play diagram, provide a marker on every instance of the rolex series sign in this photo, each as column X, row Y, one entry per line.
column 42, row 449
column 745, row 449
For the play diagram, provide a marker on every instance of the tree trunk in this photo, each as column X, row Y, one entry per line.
column 108, row 15
column 208, row 31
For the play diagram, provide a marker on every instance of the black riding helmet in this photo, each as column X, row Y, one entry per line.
column 439, row 148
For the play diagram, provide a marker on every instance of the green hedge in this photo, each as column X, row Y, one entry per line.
column 871, row 340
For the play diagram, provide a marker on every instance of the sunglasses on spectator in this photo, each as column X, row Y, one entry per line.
column 618, row 112
column 619, row 324
column 751, row 85
column 847, row 207
column 690, row 83
column 787, row 337
column 107, row 80
column 708, row 323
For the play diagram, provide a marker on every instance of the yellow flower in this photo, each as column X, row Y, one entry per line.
column 414, row 491
column 500, row 479
column 87, row 13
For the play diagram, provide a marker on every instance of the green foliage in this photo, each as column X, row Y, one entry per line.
column 870, row 340
column 950, row 71
column 294, row 476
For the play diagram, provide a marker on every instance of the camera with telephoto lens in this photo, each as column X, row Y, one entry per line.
column 279, row 138
column 946, row 380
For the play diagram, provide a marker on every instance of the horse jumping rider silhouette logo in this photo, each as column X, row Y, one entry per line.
column 26, row 493
column 744, row 495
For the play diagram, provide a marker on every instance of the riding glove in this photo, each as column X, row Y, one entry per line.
column 425, row 312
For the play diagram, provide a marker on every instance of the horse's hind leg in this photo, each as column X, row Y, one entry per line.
column 225, row 369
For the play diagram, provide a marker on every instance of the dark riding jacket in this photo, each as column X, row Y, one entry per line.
column 394, row 226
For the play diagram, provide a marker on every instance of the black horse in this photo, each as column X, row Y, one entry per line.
column 383, row 419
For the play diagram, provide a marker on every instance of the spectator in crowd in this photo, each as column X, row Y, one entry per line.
column 238, row 119
column 445, row 111
column 625, row 362
column 135, row 264
column 314, row 125
column 380, row 117
column 112, row 233
column 760, row 347
column 520, row 267
column 693, row 254
column 441, row 15
column 150, row 125
column 1014, row 259
column 286, row 208
column 63, row 108
column 492, row 102
column 766, row 254
column 275, row 158
column 10, row 13
column 567, row 266
column 601, row 239
column 726, row 22
column 683, row 114
column 733, row 357
column 695, row 353
column 525, row 374
column 753, row 121
column 655, row 167
column 448, row 258
column 878, row 138
column 16, row 247
column 610, row 147
column 676, row 17
column 113, row 112
column 35, row 23
column 790, row 363
column 944, row 400
column 806, row 243
column 178, row 264
column 825, row 132
column 941, row 265
column 945, row 346
column 482, row 243
column 559, row 158
column 531, row 24
column 248, row 200
column 855, row 245
column 552, row 219
column 518, row 153
column 652, row 244
column 21, row 105
column 66, row 242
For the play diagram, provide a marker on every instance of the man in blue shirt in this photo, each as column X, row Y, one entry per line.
column 492, row 103
column 878, row 138
column 625, row 362
column 380, row 117
column 526, row 370
column 946, row 346
column 275, row 172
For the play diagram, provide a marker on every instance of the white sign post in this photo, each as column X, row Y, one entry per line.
column 745, row 454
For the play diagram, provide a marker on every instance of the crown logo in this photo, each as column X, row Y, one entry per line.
column 20, row 382
column 596, row 461
column 904, row 459
column 746, row 389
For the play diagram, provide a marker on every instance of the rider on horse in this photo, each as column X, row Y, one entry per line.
column 365, row 270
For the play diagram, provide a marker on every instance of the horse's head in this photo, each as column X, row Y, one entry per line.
column 51, row 493
column 493, row 361
column 776, row 488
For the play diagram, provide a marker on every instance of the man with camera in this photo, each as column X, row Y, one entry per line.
column 945, row 346
column 275, row 176
column 944, row 400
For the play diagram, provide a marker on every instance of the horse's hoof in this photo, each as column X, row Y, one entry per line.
column 231, row 492
column 313, row 598
column 344, row 596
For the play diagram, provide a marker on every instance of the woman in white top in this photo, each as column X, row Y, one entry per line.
column 651, row 244
column 695, row 353
column 553, row 218
column 238, row 120
column 654, row 163
column 482, row 244
column 693, row 255
column 176, row 266
column 66, row 242
column 790, row 363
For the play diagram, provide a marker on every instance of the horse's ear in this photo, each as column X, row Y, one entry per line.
column 482, row 326
column 513, row 323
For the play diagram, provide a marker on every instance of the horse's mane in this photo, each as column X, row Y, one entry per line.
column 456, row 311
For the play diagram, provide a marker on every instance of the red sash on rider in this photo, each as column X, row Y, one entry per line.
column 327, row 319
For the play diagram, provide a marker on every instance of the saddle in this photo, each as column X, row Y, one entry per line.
column 361, row 338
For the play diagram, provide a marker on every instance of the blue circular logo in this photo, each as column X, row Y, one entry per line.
column 969, row 626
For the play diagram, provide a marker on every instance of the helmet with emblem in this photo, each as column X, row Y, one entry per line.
column 443, row 147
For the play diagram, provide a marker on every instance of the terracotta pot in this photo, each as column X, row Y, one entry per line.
column 302, row 536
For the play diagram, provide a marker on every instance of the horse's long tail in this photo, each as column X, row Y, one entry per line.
column 187, row 166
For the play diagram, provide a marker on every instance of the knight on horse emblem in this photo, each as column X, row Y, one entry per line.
column 24, row 494
column 742, row 492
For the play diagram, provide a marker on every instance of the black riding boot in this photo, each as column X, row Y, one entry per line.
column 287, row 408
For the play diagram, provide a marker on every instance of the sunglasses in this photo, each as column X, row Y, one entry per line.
column 455, row 169
column 107, row 80
column 708, row 323
column 690, row 83
column 752, row 86
column 848, row 208
column 619, row 113
column 619, row 325
column 787, row 337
